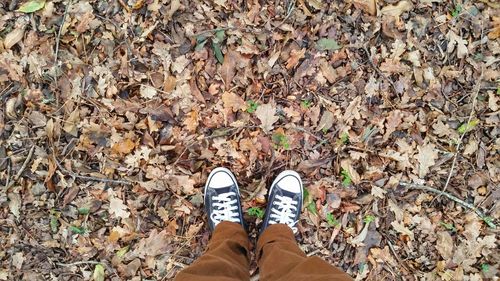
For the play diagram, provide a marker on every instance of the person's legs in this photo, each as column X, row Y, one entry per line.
column 279, row 256
column 226, row 259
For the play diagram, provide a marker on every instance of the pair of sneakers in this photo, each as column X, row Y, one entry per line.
column 222, row 199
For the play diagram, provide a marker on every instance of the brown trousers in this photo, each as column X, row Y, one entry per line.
column 280, row 258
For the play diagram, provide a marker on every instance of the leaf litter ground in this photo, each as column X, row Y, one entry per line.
column 114, row 112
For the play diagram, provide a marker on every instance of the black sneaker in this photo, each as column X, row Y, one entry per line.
column 285, row 201
column 222, row 198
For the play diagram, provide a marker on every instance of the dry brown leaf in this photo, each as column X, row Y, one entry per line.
column 427, row 154
column 358, row 240
column 13, row 38
column 70, row 125
column 124, row 147
column 185, row 184
column 266, row 114
column 14, row 203
column 328, row 71
column 156, row 244
column 191, row 122
column 228, row 68
column 117, row 208
column 394, row 119
column 378, row 192
column 495, row 31
column 369, row 6
column 295, row 56
column 233, row 101
column 444, row 244
column 398, row 9
column 147, row 92
column 400, row 228
column 455, row 40
column 326, row 121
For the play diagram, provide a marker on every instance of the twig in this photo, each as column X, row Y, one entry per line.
column 377, row 69
column 25, row 164
column 89, row 178
column 451, row 197
column 289, row 9
column 8, row 174
column 78, row 263
column 457, row 149
column 58, row 38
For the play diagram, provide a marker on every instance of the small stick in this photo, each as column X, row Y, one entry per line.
column 58, row 38
column 25, row 164
column 449, row 196
column 457, row 149
column 78, row 263
column 8, row 174
column 73, row 174
column 378, row 70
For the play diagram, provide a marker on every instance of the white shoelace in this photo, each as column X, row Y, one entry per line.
column 225, row 208
column 283, row 211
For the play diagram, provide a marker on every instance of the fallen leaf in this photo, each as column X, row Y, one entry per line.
column 398, row 9
column 228, row 68
column 358, row 240
column 13, row 37
column 400, row 228
column 123, row 147
column 326, row 121
column 117, row 208
column 154, row 245
column 495, row 31
column 191, row 122
column 233, row 101
column 18, row 260
column 369, row 6
column 455, row 40
column 266, row 114
column 427, row 154
column 378, row 192
column 295, row 56
column 444, row 245
column 14, row 203
column 185, row 184
column 99, row 274
column 147, row 92
column 327, row 44
column 32, row 6
column 70, row 125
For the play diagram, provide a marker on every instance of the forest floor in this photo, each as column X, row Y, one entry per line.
column 114, row 112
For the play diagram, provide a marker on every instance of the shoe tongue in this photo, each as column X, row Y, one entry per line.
column 223, row 190
column 287, row 193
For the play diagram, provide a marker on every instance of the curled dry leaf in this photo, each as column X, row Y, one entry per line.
column 398, row 9
column 13, row 38
column 400, row 228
